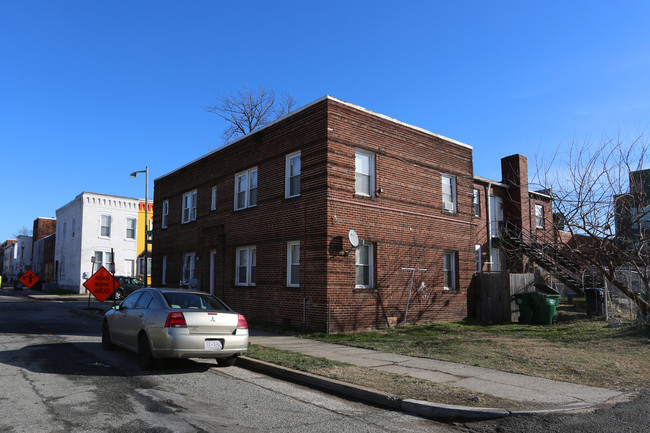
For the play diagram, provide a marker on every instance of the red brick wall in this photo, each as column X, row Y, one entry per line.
column 406, row 222
column 269, row 225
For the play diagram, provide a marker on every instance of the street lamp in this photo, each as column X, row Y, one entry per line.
column 146, row 222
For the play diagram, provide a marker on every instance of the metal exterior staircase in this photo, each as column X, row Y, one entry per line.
column 548, row 257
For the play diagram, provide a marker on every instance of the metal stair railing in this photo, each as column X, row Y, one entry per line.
column 545, row 255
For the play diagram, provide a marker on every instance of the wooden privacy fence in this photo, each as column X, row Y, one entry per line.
column 494, row 303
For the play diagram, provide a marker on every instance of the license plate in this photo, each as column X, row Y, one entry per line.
column 213, row 345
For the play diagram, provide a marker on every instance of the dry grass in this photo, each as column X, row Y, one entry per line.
column 582, row 351
column 401, row 386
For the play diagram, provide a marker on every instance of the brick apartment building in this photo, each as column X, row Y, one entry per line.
column 264, row 222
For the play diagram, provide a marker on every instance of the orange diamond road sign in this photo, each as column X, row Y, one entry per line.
column 29, row 279
column 101, row 284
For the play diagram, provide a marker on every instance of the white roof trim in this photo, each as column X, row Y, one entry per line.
column 493, row 182
column 326, row 97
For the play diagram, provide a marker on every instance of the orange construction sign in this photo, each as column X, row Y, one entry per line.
column 101, row 284
column 29, row 279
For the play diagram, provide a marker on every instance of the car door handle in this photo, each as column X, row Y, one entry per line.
column 141, row 315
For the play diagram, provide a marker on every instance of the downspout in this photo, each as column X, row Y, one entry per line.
column 489, row 228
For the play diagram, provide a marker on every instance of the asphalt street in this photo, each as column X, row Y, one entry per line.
column 55, row 377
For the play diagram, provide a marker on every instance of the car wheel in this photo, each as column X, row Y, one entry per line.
column 145, row 358
column 226, row 362
column 107, row 342
column 119, row 295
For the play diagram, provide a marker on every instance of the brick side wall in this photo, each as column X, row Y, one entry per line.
column 405, row 222
column 268, row 226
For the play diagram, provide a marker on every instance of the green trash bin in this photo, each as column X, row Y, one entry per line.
column 525, row 304
column 544, row 308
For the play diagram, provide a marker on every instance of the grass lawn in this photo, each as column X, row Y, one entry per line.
column 580, row 351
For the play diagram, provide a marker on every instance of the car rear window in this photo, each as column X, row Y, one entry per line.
column 193, row 301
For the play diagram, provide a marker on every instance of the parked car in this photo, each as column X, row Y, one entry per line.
column 128, row 285
column 175, row 323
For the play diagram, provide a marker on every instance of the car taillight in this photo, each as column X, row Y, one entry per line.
column 175, row 320
column 241, row 322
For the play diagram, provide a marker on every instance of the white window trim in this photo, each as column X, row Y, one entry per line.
column 291, row 262
column 247, row 188
column 192, row 267
column 213, row 198
column 189, row 200
column 110, row 223
column 287, row 174
column 370, row 265
column 164, row 271
column 141, row 266
column 165, row 214
column 476, row 203
column 249, row 263
column 478, row 252
column 449, row 206
column 452, row 268
column 371, row 174
column 104, row 262
column 135, row 229
column 539, row 216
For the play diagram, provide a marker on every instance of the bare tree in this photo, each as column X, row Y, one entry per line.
column 247, row 110
column 23, row 231
column 604, row 208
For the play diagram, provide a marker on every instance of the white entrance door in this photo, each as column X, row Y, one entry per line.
column 496, row 215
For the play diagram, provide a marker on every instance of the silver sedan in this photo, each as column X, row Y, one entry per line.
column 174, row 323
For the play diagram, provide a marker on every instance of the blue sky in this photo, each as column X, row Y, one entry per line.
column 93, row 90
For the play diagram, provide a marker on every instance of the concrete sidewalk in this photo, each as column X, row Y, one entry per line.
column 537, row 394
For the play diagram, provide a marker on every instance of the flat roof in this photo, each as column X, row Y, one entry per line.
column 304, row 107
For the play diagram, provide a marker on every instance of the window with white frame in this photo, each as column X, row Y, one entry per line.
column 477, row 203
column 105, row 259
column 364, row 173
column 105, row 226
column 141, row 266
column 292, row 175
column 213, row 199
column 478, row 253
column 539, row 216
column 164, row 271
column 189, row 260
column 189, row 206
column 165, row 214
column 363, row 261
column 293, row 264
column 449, row 269
column 449, row 193
column 99, row 260
column 246, row 262
column 130, row 228
column 246, row 189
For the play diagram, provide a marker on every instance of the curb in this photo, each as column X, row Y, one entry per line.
column 377, row 398
column 421, row 408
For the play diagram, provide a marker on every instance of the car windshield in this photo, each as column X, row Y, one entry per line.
column 194, row 301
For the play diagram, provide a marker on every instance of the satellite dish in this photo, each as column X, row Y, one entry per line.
column 354, row 239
